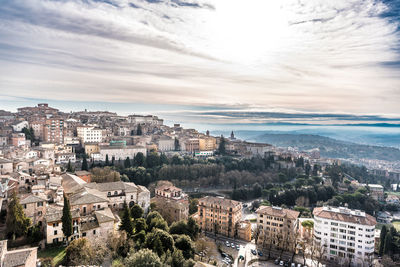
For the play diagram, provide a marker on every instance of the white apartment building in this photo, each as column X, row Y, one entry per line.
column 346, row 236
column 90, row 134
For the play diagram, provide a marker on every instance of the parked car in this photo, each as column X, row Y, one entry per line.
column 237, row 247
column 281, row 263
column 298, row 265
column 277, row 261
column 287, row 264
column 293, row 264
column 227, row 244
column 254, row 252
column 233, row 245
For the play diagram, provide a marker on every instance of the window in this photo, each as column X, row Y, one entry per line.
column 24, row 206
column 94, row 232
column 115, row 193
column 55, row 232
column 109, row 194
column 83, row 234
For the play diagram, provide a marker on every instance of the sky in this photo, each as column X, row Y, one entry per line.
column 219, row 61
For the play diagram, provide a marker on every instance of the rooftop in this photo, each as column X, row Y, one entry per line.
column 277, row 211
column 345, row 215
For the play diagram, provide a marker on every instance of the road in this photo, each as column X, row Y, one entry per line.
column 245, row 251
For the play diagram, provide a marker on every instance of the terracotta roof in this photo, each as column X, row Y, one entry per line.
column 279, row 212
column 344, row 217
column 220, row 201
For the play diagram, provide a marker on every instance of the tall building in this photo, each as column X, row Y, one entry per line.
column 277, row 226
column 219, row 215
column 345, row 236
column 53, row 130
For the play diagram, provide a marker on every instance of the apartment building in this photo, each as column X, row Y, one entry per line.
column 219, row 215
column 90, row 134
column 207, row 143
column 171, row 203
column 346, row 236
column 53, row 130
column 277, row 226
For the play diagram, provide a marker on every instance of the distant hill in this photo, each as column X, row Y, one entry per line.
column 329, row 147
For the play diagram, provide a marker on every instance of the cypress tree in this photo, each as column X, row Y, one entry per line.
column 388, row 244
column 112, row 160
column 69, row 166
column 66, row 219
column 382, row 240
column 127, row 163
column 126, row 221
column 84, row 164
column 221, row 147
column 107, row 161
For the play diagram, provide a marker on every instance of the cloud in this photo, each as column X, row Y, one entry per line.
column 314, row 55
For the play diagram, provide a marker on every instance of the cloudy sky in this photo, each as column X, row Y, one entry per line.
column 247, row 57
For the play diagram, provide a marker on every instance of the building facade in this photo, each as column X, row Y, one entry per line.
column 277, row 226
column 346, row 236
column 219, row 215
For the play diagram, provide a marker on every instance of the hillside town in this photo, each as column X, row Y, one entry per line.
column 70, row 181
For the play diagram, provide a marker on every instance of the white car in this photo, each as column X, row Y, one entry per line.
column 237, row 247
column 227, row 244
column 281, row 263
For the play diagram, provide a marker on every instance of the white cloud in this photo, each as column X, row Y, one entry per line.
column 303, row 55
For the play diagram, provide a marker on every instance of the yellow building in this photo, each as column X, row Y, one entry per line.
column 207, row 143
column 91, row 148
column 277, row 226
column 219, row 215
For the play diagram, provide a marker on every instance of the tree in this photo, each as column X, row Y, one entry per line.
column 107, row 160
column 163, row 159
column 388, row 246
column 140, row 225
column 85, row 166
column 69, row 167
column 16, row 222
column 382, row 240
column 193, row 205
column 185, row 244
column 221, row 147
column 127, row 163
column 113, row 161
column 193, row 228
column 176, row 144
column 136, row 212
column 177, row 259
column 29, row 134
column 81, row 252
column 139, row 159
column 159, row 241
column 143, row 258
column 126, row 221
column 103, row 175
column 66, row 219
column 139, row 130
column 153, row 160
